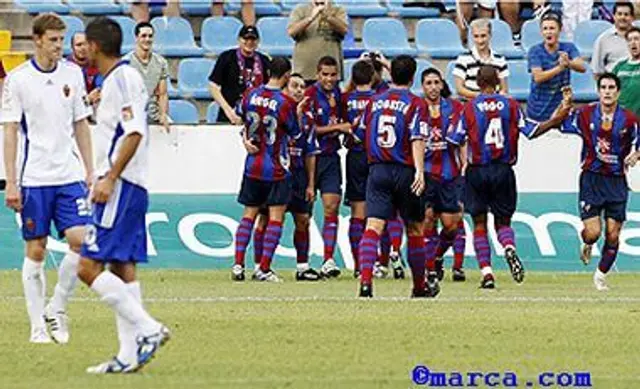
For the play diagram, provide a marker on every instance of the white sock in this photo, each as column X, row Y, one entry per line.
column 486, row 271
column 126, row 332
column 35, row 285
column 67, row 277
column 114, row 292
column 302, row 267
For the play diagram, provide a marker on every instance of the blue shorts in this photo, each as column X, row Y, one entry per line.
column 491, row 188
column 117, row 232
column 298, row 203
column 603, row 193
column 389, row 191
column 257, row 193
column 357, row 173
column 443, row 196
column 329, row 174
column 66, row 205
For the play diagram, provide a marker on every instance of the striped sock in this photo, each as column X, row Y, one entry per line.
column 356, row 229
column 394, row 227
column 481, row 246
column 385, row 247
column 506, row 237
column 458, row 246
column 416, row 254
column 367, row 255
column 430, row 245
column 301, row 243
column 609, row 254
column 258, row 238
column 445, row 240
column 271, row 240
column 243, row 236
column 329, row 235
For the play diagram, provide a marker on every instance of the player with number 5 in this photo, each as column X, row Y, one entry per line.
column 491, row 124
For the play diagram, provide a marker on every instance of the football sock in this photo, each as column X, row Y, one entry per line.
column 127, row 331
column 329, row 235
column 394, row 226
column 356, row 229
column 367, row 255
column 34, row 283
column 67, row 277
column 430, row 244
column 301, row 243
column 458, row 246
column 481, row 246
column 258, row 238
column 271, row 240
column 609, row 254
column 416, row 254
column 243, row 235
column 385, row 247
column 506, row 237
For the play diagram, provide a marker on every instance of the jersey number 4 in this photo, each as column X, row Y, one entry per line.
column 386, row 131
column 270, row 123
column 494, row 135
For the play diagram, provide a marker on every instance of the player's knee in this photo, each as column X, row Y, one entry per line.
column 502, row 221
column 36, row 249
column 590, row 234
column 331, row 208
column 613, row 237
column 88, row 270
column 302, row 222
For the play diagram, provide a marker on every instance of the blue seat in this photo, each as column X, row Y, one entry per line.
column 220, row 33
column 289, row 5
column 273, row 36
column 193, row 77
column 423, row 65
column 502, row 40
column 586, row 33
column 439, row 38
column 196, row 7
column 347, row 66
column 171, row 90
column 386, row 35
column 212, row 113
column 395, row 7
column 584, row 86
column 449, row 79
column 39, row 6
column 262, row 7
column 74, row 24
column 349, row 47
column 519, row 80
column 362, row 8
column 95, row 7
column 128, row 26
column 174, row 37
column 183, row 112
column 531, row 34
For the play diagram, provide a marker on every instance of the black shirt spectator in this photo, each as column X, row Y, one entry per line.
column 235, row 71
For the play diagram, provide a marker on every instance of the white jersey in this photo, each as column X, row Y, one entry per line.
column 122, row 111
column 46, row 104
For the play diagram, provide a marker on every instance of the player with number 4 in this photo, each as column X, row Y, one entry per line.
column 491, row 124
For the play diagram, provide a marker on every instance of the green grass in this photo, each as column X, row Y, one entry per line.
column 320, row 336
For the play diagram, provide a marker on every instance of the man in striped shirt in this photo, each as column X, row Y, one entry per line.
column 467, row 64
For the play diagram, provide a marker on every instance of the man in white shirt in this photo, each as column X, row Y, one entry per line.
column 117, row 233
column 611, row 45
column 44, row 101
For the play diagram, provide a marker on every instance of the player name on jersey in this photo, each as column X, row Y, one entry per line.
column 264, row 102
column 394, row 105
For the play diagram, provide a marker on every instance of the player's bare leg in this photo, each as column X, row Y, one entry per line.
column 368, row 251
column 242, row 239
column 118, row 288
column 34, row 282
column 304, row 272
column 591, row 231
column 483, row 251
column 609, row 254
column 431, row 239
column 331, row 203
column 506, row 237
column 258, row 238
column 356, row 229
column 271, row 240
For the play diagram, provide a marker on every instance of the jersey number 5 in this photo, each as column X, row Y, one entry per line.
column 494, row 135
column 386, row 131
column 270, row 123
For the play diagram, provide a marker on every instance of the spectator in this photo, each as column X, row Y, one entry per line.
column 611, row 45
column 628, row 70
column 247, row 11
column 574, row 12
column 550, row 64
column 140, row 9
column 237, row 70
column 154, row 70
column 464, row 13
column 80, row 56
column 318, row 28
column 468, row 64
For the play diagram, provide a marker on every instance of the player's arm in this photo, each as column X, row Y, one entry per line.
column 162, row 94
column 12, row 194
column 576, row 62
column 419, row 132
column 632, row 159
column 83, row 140
column 342, row 127
column 540, row 76
column 463, row 90
column 310, row 168
column 104, row 187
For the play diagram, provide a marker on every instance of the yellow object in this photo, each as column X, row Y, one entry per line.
column 5, row 40
column 12, row 59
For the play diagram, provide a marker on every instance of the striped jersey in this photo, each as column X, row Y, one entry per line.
column 606, row 141
column 270, row 120
column 326, row 110
column 354, row 105
column 442, row 159
column 305, row 145
column 491, row 124
column 393, row 120
column 468, row 64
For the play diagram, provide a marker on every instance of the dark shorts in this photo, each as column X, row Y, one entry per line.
column 491, row 188
column 600, row 193
column 443, row 196
column 256, row 193
column 299, row 182
column 389, row 191
column 329, row 174
column 357, row 173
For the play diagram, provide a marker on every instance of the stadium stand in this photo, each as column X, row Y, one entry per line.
column 519, row 80
column 438, row 38
column 196, row 7
column 586, row 34
column 174, row 37
column 212, row 113
column 95, row 7
column 349, row 46
column 183, row 112
column 363, row 8
column 386, row 35
column 220, row 33
column 396, row 8
column 38, row 6
column 347, row 66
column 583, row 85
column 448, row 77
column 74, row 24
column 262, row 7
column 423, row 64
column 502, row 40
column 128, row 26
column 273, row 36
column 172, row 90
column 193, row 77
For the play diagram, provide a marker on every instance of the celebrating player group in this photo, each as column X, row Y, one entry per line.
column 414, row 163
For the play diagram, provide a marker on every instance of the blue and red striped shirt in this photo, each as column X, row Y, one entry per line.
column 326, row 109
column 605, row 146
column 442, row 159
column 354, row 106
column 270, row 120
column 305, row 145
column 393, row 120
column 492, row 124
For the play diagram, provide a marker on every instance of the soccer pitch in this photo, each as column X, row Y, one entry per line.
column 294, row 335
